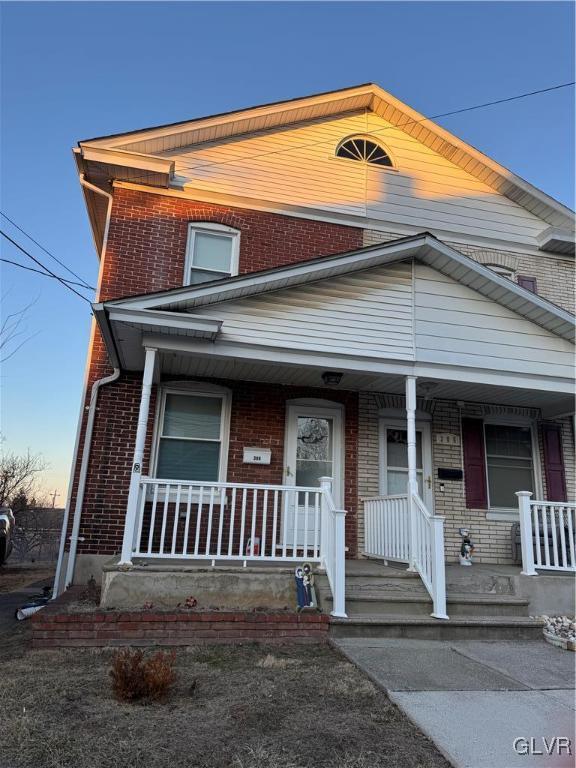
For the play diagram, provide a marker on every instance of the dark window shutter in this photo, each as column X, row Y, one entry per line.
column 527, row 282
column 553, row 462
column 474, row 463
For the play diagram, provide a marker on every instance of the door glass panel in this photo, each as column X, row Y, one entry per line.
column 397, row 482
column 314, row 451
column 397, row 448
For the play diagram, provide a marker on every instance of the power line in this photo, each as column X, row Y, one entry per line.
column 39, row 272
column 49, row 271
column 85, row 284
column 390, row 127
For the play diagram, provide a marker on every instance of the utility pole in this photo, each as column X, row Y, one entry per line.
column 54, row 496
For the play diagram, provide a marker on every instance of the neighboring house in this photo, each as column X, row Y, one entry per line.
column 331, row 286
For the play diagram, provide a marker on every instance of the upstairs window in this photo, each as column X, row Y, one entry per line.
column 211, row 253
column 365, row 150
column 502, row 271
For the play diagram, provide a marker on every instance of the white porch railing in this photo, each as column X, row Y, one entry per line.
column 547, row 534
column 427, row 543
column 397, row 530
column 387, row 528
column 241, row 522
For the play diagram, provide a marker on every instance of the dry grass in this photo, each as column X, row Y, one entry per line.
column 13, row 578
column 232, row 707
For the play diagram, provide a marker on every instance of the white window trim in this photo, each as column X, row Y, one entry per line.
column 202, row 390
column 511, row 514
column 217, row 229
column 502, row 270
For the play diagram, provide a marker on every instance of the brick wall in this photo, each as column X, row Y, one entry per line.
column 145, row 253
column 554, row 275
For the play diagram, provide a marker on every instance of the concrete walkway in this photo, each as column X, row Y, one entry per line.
column 476, row 700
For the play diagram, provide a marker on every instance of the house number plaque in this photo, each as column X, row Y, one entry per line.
column 446, row 438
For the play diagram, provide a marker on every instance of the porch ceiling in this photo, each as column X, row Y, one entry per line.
column 193, row 366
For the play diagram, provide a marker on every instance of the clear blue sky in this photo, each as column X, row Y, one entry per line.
column 76, row 70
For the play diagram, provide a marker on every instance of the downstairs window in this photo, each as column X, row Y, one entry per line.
column 509, row 464
column 191, row 436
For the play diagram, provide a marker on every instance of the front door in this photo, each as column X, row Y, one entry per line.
column 394, row 460
column 314, row 449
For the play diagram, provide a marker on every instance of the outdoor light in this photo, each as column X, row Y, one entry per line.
column 332, row 377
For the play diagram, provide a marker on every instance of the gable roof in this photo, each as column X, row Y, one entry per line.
column 424, row 247
column 127, row 155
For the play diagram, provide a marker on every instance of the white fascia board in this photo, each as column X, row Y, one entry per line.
column 166, row 320
column 107, row 335
column 137, row 160
column 375, row 365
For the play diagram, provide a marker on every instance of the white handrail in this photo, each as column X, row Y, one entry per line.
column 547, row 534
column 427, row 553
column 333, row 548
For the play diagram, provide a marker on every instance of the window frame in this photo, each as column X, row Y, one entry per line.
column 523, row 279
column 511, row 513
column 503, row 271
column 365, row 163
column 194, row 389
column 217, row 229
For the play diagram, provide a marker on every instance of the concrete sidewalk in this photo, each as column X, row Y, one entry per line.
column 477, row 700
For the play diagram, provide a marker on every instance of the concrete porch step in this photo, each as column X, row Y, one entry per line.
column 366, row 603
column 428, row 628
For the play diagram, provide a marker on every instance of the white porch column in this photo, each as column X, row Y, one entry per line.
column 412, row 477
column 134, row 492
column 526, row 533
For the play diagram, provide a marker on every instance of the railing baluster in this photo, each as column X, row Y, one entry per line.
column 545, row 535
column 141, row 508
column 296, row 516
column 264, row 516
column 187, row 523
column 553, row 511
column 221, row 520
column 199, row 520
column 164, row 517
column 571, row 513
column 232, row 517
column 152, row 519
column 536, row 534
column 316, row 549
column 242, row 523
column 176, row 516
column 305, row 538
column 563, row 552
column 210, row 513
column 274, row 525
column 253, row 526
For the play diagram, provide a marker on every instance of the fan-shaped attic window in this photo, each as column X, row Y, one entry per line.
column 365, row 150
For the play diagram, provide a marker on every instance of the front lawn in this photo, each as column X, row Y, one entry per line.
column 243, row 706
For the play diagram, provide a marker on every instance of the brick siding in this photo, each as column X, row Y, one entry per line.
column 145, row 253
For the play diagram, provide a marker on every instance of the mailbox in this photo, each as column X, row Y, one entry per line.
column 257, row 455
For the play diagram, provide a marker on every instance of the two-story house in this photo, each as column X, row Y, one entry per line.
column 329, row 287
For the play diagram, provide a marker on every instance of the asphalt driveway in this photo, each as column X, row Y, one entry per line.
column 486, row 704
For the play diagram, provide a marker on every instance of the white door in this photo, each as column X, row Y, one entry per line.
column 394, row 460
column 314, row 449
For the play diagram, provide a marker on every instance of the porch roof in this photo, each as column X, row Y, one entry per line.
column 425, row 247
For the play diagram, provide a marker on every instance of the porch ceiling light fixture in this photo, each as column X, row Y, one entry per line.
column 427, row 387
column 332, row 378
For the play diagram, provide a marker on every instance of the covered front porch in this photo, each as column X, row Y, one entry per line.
column 316, row 448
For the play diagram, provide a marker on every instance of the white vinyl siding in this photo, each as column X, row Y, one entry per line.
column 456, row 325
column 297, row 166
column 367, row 313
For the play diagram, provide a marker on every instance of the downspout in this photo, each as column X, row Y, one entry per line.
column 88, row 434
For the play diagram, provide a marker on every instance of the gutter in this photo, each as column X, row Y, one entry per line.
column 88, row 434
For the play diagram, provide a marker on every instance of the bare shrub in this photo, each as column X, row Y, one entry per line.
column 135, row 677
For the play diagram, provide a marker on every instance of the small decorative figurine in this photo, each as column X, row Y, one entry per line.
column 467, row 548
column 305, row 592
